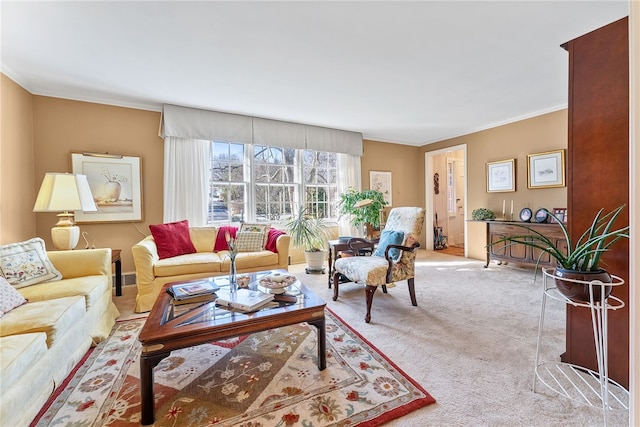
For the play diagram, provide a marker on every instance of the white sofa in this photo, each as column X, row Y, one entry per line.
column 152, row 273
column 43, row 340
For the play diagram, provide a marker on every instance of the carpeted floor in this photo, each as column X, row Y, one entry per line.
column 470, row 342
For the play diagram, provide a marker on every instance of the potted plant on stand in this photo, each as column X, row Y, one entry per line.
column 310, row 233
column 580, row 261
column 363, row 207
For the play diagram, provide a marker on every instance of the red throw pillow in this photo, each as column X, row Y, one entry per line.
column 272, row 238
column 172, row 239
column 221, row 239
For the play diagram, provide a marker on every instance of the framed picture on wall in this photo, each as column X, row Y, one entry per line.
column 501, row 176
column 381, row 181
column 545, row 170
column 115, row 182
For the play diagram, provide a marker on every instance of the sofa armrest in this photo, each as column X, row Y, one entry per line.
column 282, row 245
column 145, row 256
column 82, row 262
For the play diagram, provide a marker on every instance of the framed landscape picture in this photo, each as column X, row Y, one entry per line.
column 545, row 170
column 115, row 184
column 501, row 176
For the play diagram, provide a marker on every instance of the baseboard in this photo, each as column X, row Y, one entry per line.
column 127, row 279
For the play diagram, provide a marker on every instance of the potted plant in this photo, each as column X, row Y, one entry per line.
column 369, row 214
column 310, row 233
column 581, row 259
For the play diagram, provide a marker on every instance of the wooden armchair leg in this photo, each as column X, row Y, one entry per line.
column 412, row 291
column 336, row 282
column 369, row 290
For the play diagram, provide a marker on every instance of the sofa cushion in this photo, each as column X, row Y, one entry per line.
column 172, row 239
column 26, row 263
column 53, row 317
column 9, row 297
column 272, row 239
column 201, row 262
column 91, row 288
column 251, row 261
column 203, row 238
column 249, row 241
column 221, row 238
column 258, row 228
column 18, row 354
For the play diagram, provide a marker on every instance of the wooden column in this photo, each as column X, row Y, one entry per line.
column 598, row 176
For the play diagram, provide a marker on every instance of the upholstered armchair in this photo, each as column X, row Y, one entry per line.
column 392, row 261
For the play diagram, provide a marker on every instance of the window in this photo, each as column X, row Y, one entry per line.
column 268, row 184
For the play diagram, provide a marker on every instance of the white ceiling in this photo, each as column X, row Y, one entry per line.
column 405, row 72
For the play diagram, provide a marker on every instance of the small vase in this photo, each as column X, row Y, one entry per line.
column 233, row 279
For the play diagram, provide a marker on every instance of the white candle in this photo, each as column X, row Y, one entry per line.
column 503, row 207
column 512, row 208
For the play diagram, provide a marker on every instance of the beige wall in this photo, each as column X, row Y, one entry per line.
column 64, row 126
column 512, row 141
column 52, row 128
column 17, row 181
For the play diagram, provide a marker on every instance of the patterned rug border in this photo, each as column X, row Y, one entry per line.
column 402, row 410
column 382, row 418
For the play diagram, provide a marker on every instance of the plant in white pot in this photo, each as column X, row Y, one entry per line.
column 309, row 233
column 580, row 260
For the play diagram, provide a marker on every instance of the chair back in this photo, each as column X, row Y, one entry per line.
column 410, row 221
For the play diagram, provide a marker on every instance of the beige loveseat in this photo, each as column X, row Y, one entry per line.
column 152, row 273
column 43, row 340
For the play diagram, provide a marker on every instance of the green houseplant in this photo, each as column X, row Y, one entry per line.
column 369, row 214
column 580, row 260
column 310, row 233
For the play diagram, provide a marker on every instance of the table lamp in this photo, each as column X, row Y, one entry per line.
column 64, row 192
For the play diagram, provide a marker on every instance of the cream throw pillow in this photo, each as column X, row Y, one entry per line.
column 256, row 228
column 26, row 263
column 249, row 241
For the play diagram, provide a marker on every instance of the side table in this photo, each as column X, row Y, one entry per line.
column 115, row 259
column 336, row 247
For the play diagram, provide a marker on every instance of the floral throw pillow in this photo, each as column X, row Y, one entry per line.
column 9, row 297
column 256, row 228
column 26, row 263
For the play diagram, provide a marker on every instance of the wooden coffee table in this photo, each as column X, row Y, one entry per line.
column 171, row 327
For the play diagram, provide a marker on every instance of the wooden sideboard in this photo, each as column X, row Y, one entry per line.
column 518, row 253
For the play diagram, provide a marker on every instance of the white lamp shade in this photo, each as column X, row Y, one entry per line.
column 64, row 192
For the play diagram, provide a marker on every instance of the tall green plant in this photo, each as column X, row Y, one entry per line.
column 585, row 253
column 307, row 231
column 366, row 215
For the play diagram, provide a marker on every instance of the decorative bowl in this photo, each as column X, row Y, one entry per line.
column 277, row 287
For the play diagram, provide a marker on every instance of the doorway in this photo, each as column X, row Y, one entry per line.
column 446, row 200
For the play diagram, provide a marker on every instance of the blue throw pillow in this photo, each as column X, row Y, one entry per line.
column 389, row 237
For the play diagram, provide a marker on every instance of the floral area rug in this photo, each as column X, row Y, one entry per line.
column 269, row 378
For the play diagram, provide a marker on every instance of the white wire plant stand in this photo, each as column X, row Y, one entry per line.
column 575, row 382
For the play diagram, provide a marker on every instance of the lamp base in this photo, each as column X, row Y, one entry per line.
column 65, row 238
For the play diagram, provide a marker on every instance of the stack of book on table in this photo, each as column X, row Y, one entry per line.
column 245, row 300
column 192, row 292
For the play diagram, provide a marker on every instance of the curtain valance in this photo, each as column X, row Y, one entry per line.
column 192, row 123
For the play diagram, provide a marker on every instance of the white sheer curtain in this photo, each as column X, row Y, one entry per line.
column 186, row 180
column 348, row 176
